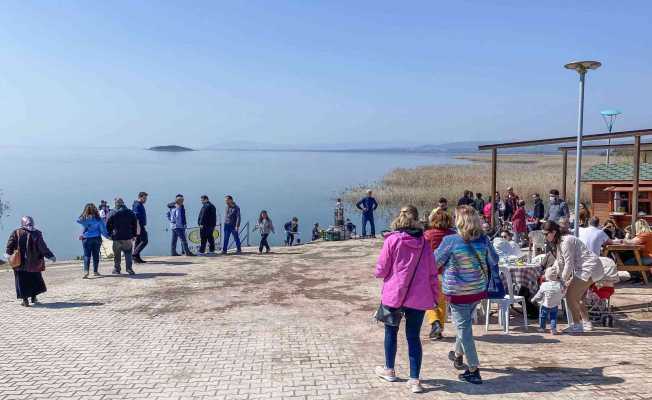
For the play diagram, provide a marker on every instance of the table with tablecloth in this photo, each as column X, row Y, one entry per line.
column 523, row 276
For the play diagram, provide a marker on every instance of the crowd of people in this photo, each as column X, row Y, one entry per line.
column 445, row 263
column 127, row 229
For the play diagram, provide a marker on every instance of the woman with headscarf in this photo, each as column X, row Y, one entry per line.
column 29, row 242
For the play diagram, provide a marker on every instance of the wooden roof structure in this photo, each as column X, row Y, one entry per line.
column 636, row 146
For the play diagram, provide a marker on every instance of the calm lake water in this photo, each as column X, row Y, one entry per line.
column 52, row 185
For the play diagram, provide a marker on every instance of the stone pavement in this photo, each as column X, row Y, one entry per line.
column 290, row 325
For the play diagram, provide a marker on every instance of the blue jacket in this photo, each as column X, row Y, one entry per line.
column 139, row 209
column 177, row 217
column 93, row 228
column 367, row 205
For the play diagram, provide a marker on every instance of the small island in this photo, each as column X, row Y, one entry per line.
column 171, row 148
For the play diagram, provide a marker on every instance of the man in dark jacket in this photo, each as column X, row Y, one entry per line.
column 142, row 239
column 539, row 210
column 466, row 200
column 479, row 203
column 368, row 205
column 122, row 225
column 231, row 224
column 207, row 221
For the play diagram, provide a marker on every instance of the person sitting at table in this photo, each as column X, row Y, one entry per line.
column 594, row 237
column 579, row 269
column 612, row 230
column 505, row 246
column 643, row 238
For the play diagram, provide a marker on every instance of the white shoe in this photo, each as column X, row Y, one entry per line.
column 574, row 328
column 388, row 375
column 587, row 326
column 415, row 386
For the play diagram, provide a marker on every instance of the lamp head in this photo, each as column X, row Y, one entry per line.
column 583, row 66
column 610, row 113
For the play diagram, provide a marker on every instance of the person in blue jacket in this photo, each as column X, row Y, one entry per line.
column 178, row 223
column 142, row 239
column 367, row 205
column 93, row 230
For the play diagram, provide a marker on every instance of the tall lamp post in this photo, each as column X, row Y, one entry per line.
column 581, row 67
column 609, row 117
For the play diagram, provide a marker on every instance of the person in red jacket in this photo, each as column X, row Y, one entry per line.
column 519, row 223
column 440, row 224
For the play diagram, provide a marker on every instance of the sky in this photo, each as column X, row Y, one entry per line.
column 200, row 73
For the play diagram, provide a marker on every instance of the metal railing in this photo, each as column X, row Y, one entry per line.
column 243, row 233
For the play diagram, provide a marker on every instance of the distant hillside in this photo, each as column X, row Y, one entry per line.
column 170, row 148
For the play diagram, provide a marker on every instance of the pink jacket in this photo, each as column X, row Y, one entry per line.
column 519, row 223
column 396, row 264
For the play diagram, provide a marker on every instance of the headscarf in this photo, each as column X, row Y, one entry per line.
column 27, row 223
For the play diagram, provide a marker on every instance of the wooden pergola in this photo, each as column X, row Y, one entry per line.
column 636, row 147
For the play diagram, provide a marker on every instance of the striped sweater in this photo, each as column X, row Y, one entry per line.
column 465, row 268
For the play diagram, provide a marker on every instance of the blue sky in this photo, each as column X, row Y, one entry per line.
column 140, row 73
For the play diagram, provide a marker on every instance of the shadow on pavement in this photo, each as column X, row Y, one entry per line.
column 516, row 339
column 150, row 275
column 67, row 304
column 169, row 263
column 538, row 380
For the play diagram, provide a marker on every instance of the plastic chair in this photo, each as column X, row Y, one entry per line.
column 504, row 305
column 537, row 241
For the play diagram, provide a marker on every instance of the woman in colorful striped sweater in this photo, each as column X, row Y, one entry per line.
column 463, row 258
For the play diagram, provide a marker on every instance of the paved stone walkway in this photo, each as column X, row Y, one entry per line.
column 291, row 325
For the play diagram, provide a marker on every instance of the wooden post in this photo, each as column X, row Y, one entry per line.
column 637, row 164
column 564, row 167
column 494, row 164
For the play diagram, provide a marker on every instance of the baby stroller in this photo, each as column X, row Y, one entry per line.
column 598, row 297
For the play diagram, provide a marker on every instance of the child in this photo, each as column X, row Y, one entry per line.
column 265, row 226
column 549, row 296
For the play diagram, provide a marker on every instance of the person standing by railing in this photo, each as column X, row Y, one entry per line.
column 207, row 222
column 231, row 224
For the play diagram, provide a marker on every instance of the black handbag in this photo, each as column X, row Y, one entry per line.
column 392, row 316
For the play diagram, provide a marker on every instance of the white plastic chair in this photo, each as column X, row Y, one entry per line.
column 537, row 241
column 504, row 305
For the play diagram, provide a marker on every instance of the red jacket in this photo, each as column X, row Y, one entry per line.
column 435, row 236
column 519, row 220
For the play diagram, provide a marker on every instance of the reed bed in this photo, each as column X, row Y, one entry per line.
column 423, row 186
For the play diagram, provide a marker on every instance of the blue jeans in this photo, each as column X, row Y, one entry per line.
column 91, row 250
column 368, row 218
column 413, row 321
column 228, row 231
column 544, row 313
column 464, row 344
column 179, row 233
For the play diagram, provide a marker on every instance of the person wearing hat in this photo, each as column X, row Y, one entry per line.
column 122, row 225
column 29, row 243
column 178, row 224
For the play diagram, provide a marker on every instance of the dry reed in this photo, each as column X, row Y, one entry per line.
column 423, row 186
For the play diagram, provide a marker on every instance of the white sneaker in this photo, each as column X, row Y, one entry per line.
column 415, row 386
column 574, row 328
column 388, row 375
column 587, row 326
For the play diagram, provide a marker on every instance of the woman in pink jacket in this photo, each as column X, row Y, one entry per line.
column 407, row 267
column 519, row 223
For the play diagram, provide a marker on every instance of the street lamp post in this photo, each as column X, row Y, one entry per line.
column 581, row 67
column 609, row 117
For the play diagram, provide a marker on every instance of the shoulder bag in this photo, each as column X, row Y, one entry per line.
column 15, row 260
column 392, row 316
column 495, row 288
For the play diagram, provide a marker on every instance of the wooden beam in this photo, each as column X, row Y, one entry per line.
column 568, row 139
column 637, row 164
column 564, row 169
column 494, row 169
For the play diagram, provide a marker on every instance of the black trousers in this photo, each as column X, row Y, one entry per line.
column 141, row 241
column 206, row 235
column 263, row 243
